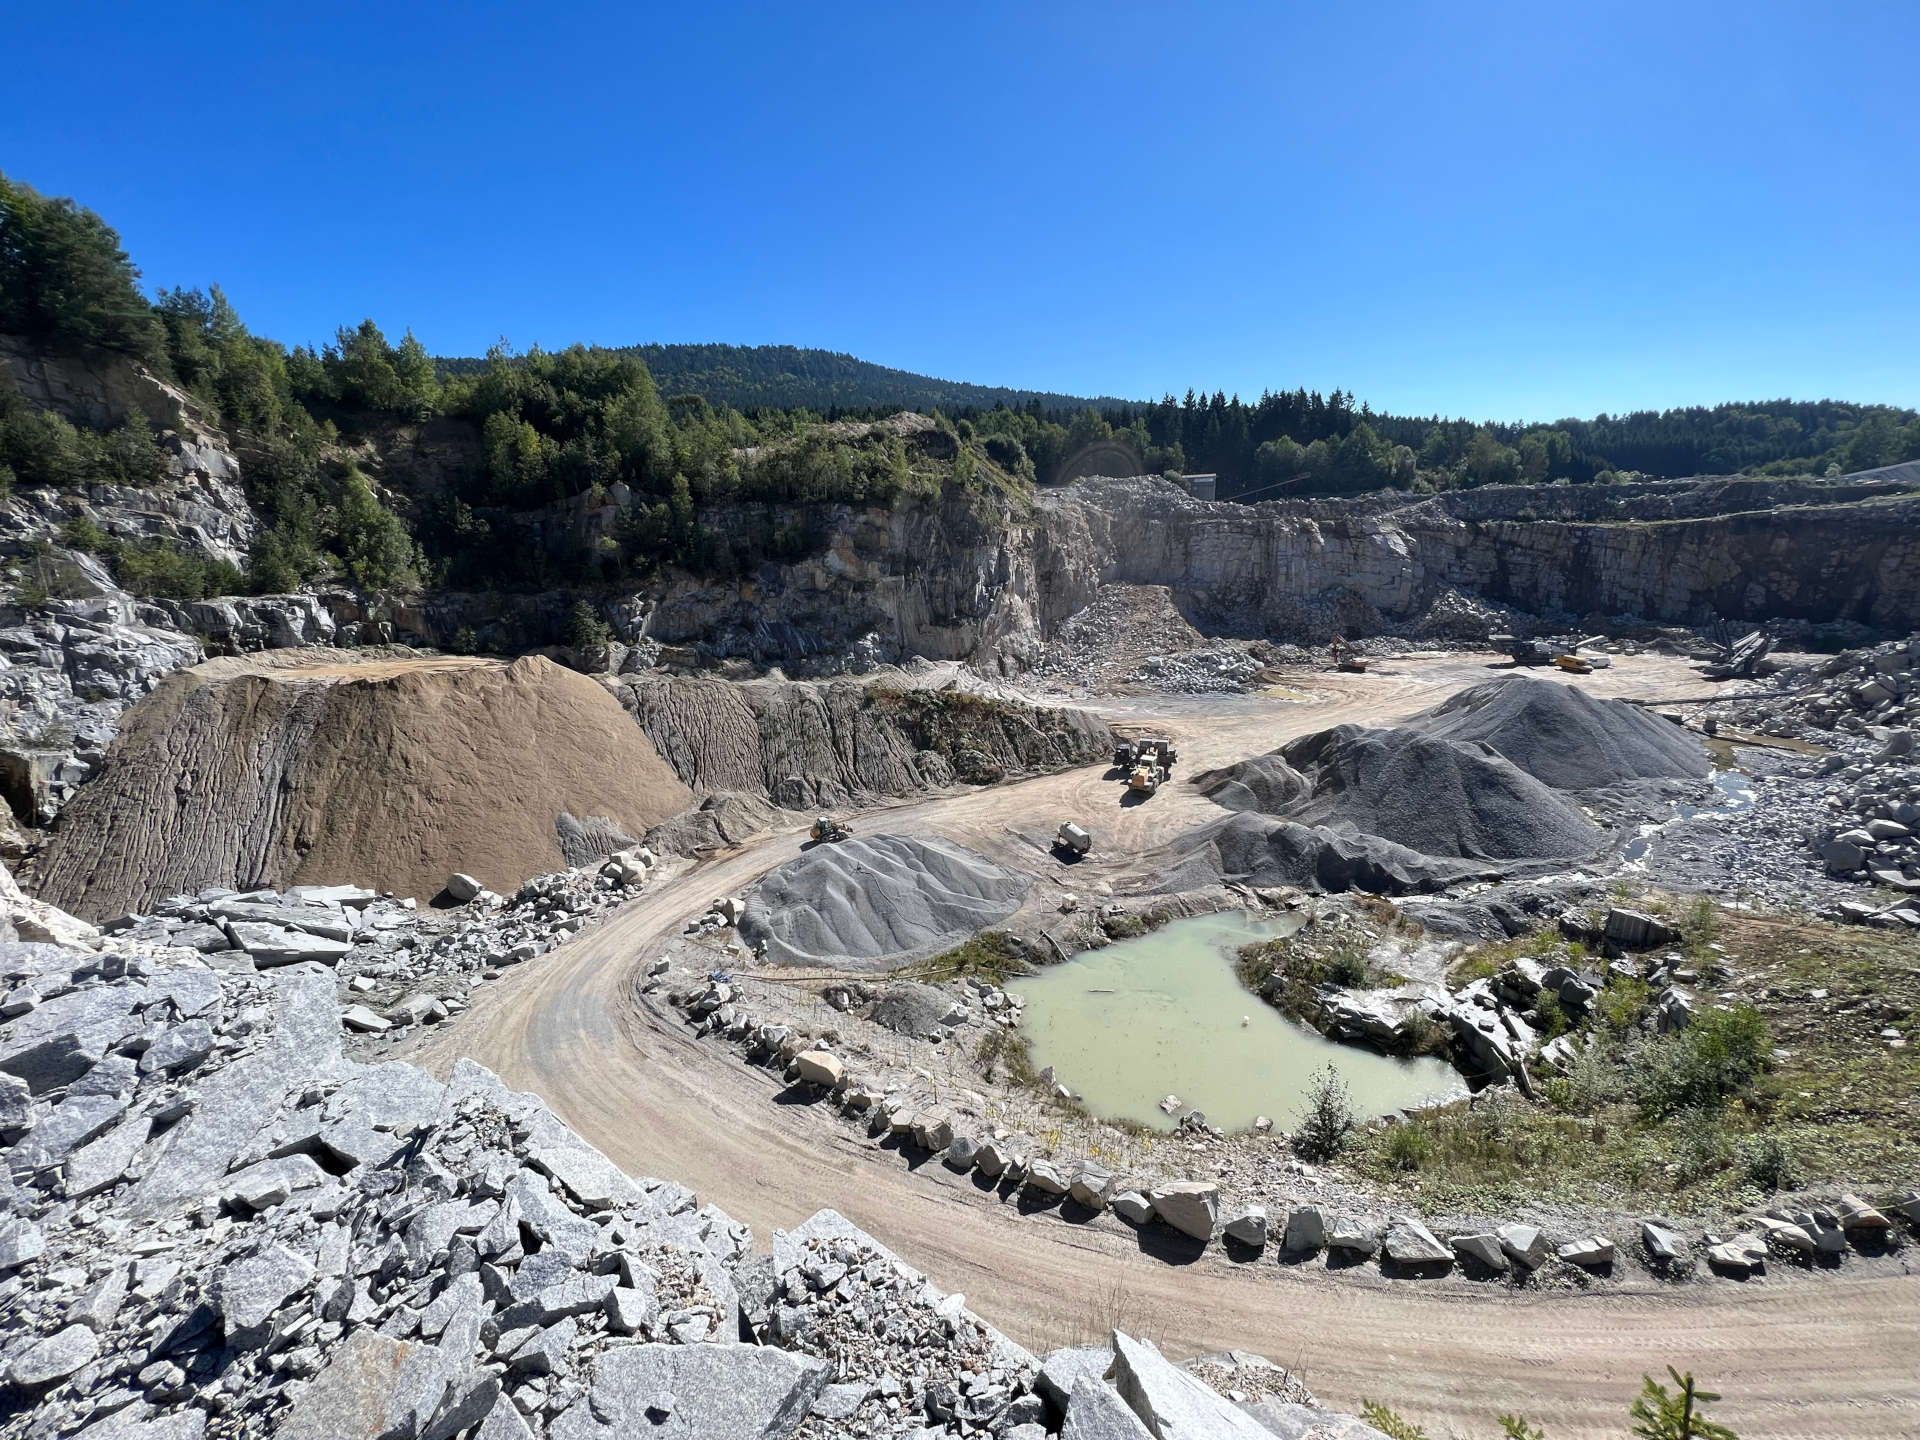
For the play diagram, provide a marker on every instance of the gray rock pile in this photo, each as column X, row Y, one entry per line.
column 1857, row 808
column 877, row 902
column 217, row 1224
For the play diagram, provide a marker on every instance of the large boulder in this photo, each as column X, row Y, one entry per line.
column 1190, row 1206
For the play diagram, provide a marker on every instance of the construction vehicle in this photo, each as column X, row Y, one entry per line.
column 1160, row 750
column 1146, row 777
column 828, row 830
column 1574, row 664
column 1072, row 840
column 1346, row 658
column 1524, row 652
column 1124, row 754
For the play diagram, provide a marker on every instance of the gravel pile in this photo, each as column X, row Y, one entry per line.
column 876, row 902
column 1564, row 737
column 1262, row 851
column 1198, row 672
column 1433, row 796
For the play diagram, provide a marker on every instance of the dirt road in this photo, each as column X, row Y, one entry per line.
column 1829, row 1357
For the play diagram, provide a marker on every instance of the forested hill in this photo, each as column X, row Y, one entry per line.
column 788, row 377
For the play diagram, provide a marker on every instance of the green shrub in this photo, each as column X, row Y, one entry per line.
column 1718, row 1056
column 1327, row 1119
column 1408, row 1146
column 1769, row 1163
column 154, row 569
column 1658, row 1415
column 1388, row 1423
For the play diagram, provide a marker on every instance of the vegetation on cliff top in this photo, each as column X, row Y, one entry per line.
column 572, row 467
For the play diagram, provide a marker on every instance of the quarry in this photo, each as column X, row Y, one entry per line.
column 867, row 995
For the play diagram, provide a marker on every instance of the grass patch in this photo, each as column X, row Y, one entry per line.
column 1768, row 1089
column 1286, row 972
column 1006, row 1052
column 992, row 956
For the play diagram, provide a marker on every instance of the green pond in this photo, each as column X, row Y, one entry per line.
column 1165, row 1014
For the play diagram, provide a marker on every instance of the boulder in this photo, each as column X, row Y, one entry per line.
column 1664, row 1246
column 1060, row 1370
column 1045, row 1178
column 1589, row 1252
column 1306, row 1231
column 719, row 1391
column 1092, row 1187
column 933, row 1130
column 820, row 1067
column 1248, row 1227
column 1409, row 1242
column 1637, row 930
column 271, row 945
column 250, row 1292
column 1190, row 1206
column 1350, row 1236
column 1173, row 1404
column 1483, row 1250
column 992, row 1159
column 1095, row 1411
column 461, row 888
column 962, row 1152
column 359, row 1017
column 54, row 1358
column 1133, row 1207
column 1740, row 1256
column 1524, row 1245
column 1857, row 1217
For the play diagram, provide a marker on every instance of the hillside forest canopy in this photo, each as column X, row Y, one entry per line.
column 581, row 467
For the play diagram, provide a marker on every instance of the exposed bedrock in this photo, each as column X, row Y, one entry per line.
column 1744, row 550
column 245, row 774
column 805, row 745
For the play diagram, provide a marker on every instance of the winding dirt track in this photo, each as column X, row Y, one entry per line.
column 1835, row 1357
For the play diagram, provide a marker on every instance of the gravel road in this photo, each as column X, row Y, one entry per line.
column 1796, row 1357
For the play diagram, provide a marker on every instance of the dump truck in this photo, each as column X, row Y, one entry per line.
column 827, row 829
column 1146, row 777
column 1072, row 839
column 1124, row 754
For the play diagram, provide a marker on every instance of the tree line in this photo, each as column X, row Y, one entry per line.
column 555, row 433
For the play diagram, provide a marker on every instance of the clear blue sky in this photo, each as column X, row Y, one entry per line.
column 1512, row 210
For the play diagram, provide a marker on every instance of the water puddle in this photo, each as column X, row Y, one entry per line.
column 1732, row 795
column 1165, row 1014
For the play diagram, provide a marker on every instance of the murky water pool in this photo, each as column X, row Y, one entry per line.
column 1165, row 1014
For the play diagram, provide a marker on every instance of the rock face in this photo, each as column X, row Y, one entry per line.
column 817, row 746
column 1307, row 569
column 241, row 773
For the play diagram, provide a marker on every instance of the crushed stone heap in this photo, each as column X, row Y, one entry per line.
column 1429, row 795
column 877, row 902
column 214, row 1224
column 249, row 773
column 1564, row 737
column 1493, row 779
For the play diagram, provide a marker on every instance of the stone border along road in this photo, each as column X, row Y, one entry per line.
column 1836, row 1358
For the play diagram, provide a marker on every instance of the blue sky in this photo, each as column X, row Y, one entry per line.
column 1510, row 211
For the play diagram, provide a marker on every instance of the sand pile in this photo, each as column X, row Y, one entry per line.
column 1564, row 737
column 393, row 773
column 877, row 902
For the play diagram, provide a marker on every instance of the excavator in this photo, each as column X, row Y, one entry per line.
column 1346, row 658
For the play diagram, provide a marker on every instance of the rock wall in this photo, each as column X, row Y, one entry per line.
column 809, row 745
column 202, row 507
column 1742, row 550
